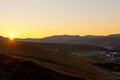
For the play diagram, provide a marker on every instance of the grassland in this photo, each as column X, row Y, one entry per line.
column 58, row 64
column 73, row 49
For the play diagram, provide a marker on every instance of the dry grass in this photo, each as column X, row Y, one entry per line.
column 58, row 62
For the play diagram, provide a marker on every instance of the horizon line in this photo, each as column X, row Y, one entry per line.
column 61, row 35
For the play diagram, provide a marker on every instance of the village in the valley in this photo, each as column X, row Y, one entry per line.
column 112, row 55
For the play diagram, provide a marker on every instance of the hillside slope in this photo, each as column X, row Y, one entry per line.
column 58, row 62
column 12, row 68
column 73, row 49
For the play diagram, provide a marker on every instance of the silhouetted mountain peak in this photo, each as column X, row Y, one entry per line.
column 91, row 36
column 114, row 35
column 64, row 36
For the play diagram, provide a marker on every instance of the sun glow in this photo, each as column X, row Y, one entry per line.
column 11, row 37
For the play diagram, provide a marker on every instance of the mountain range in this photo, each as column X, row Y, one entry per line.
column 112, row 40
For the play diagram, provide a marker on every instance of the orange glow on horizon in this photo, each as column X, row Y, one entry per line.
column 44, row 18
column 11, row 38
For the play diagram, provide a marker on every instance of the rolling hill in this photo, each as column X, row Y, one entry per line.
column 73, row 49
column 46, row 62
column 12, row 68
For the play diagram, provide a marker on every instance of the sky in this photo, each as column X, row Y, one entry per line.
column 42, row 18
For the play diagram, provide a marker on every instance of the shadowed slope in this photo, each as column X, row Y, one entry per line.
column 20, row 69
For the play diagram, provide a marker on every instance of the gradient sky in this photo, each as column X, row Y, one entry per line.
column 41, row 18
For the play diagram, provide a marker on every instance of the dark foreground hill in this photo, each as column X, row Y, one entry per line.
column 28, row 59
column 20, row 69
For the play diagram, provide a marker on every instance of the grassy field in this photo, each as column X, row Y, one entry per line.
column 59, row 63
column 73, row 49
